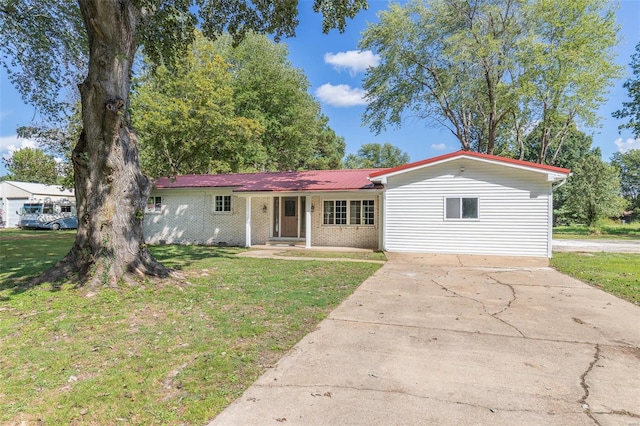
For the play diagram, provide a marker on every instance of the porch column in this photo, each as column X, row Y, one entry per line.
column 248, row 222
column 307, row 222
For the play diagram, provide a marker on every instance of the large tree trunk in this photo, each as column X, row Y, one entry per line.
column 111, row 191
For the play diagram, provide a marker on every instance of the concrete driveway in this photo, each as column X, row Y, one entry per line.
column 452, row 340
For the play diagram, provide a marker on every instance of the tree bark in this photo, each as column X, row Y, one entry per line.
column 111, row 191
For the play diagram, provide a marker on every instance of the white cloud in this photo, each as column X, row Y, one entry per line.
column 628, row 145
column 9, row 144
column 438, row 146
column 341, row 95
column 353, row 60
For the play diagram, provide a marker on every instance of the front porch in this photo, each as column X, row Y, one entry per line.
column 311, row 220
column 289, row 220
column 283, row 242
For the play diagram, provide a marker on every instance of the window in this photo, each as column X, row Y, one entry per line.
column 360, row 212
column 154, row 204
column 341, row 212
column 461, row 208
column 222, row 203
column 289, row 208
column 368, row 212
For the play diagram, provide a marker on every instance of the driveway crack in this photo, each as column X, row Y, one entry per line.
column 484, row 308
column 619, row 413
column 493, row 409
column 513, row 294
column 585, row 386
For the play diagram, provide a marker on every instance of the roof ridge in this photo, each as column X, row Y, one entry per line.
column 472, row 154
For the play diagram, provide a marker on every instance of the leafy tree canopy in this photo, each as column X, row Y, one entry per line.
column 32, row 165
column 629, row 165
column 593, row 192
column 490, row 70
column 57, row 140
column 375, row 155
column 631, row 110
column 269, row 89
column 186, row 121
column 230, row 109
column 567, row 153
column 49, row 44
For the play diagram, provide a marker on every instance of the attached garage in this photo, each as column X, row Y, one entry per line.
column 469, row 203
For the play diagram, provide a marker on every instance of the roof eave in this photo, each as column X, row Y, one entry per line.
column 382, row 177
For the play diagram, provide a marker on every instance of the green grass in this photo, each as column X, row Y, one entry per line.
column 616, row 273
column 605, row 231
column 377, row 255
column 166, row 353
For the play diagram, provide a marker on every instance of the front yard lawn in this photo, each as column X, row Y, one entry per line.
column 616, row 273
column 168, row 353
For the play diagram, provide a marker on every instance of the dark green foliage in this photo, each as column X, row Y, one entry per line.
column 375, row 155
column 593, row 192
column 629, row 165
column 231, row 109
column 32, row 165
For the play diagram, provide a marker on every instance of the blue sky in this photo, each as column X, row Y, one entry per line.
column 335, row 71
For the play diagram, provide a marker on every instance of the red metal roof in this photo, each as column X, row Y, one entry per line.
column 474, row 155
column 315, row 180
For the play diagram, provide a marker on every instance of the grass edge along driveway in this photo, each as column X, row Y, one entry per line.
column 159, row 353
column 615, row 273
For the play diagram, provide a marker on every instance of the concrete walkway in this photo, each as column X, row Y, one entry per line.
column 451, row 340
column 276, row 253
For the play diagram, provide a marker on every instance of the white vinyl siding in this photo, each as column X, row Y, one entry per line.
column 513, row 210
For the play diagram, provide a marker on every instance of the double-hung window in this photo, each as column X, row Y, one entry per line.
column 352, row 212
column 222, row 204
column 154, row 204
column 461, row 208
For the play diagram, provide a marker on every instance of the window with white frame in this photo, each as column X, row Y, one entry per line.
column 222, row 203
column 461, row 208
column 154, row 204
column 353, row 212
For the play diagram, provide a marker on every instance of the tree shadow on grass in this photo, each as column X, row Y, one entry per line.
column 180, row 257
column 26, row 257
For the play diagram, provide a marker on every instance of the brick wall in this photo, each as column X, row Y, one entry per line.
column 341, row 235
column 187, row 217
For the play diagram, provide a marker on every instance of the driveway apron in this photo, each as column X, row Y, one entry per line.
column 452, row 340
